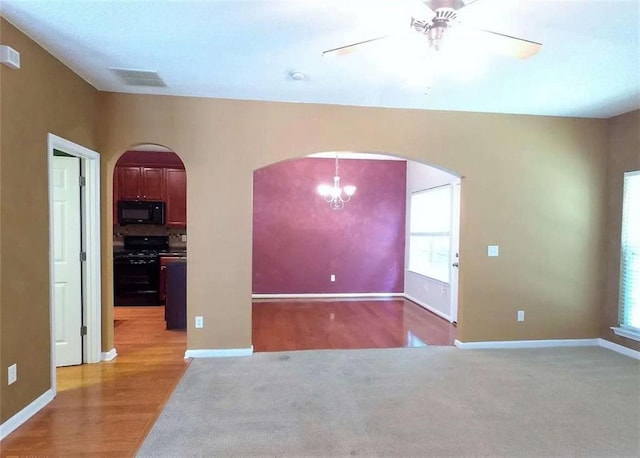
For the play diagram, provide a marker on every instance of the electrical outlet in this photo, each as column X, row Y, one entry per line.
column 333, row 277
column 199, row 322
column 520, row 315
column 12, row 373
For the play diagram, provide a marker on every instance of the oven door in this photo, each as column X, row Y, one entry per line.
column 136, row 282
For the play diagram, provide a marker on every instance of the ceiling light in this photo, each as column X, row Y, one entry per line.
column 298, row 76
column 334, row 195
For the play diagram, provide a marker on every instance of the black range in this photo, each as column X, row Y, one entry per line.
column 136, row 270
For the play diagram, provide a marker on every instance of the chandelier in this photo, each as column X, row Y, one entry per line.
column 334, row 195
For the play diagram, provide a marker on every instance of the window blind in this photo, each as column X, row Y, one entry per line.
column 630, row 252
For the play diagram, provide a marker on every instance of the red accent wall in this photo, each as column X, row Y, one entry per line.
column 298, row 241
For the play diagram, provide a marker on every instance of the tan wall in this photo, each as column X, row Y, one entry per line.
column 42, row 97
column 2, row 365
column 624, row 156
column 533, row 185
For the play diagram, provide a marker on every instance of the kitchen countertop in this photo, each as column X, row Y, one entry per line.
column 168, row 252
column 173, row 252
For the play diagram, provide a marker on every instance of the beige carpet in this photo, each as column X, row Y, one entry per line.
column 432, row 401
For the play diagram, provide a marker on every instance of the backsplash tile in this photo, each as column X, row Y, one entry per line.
column 175, row 234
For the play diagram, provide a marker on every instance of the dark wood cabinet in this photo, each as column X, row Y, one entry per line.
column 176, row 299
column 164, row 262
column 176, row 197
column 153, row 183
column 152, row 177
column 129, row 183
column 140, row 183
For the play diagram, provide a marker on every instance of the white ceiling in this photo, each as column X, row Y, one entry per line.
column 589, row 65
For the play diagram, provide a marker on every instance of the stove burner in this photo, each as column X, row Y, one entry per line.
column 139, row 254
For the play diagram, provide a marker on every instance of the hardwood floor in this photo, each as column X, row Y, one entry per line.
column 324, row 324
column 107, row 409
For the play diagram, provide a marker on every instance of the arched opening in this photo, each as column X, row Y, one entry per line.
column 150, row 248
column 378, row 270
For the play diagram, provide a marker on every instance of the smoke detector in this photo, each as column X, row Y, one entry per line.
column 298, row 76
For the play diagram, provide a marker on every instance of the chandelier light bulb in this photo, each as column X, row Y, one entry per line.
column 324, row 189
column 349, row 190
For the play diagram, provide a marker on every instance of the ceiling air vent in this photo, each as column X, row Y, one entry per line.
column 138, row 77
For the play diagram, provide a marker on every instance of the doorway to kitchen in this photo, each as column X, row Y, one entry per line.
column 150, row 240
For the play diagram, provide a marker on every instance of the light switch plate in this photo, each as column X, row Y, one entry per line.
column 493, row 250
column 12, row 374
column 183, row 237
column 199, row 322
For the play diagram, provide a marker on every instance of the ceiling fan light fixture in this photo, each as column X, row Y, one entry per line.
column 436, row 34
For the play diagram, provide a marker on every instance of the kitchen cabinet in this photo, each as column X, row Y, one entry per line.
column 176, row 304
column 162, row 287
column 140, row 183
column 176, row 197
column 147, row 176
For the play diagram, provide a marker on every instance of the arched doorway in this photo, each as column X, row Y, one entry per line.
column 149, row 247
column 373, row 272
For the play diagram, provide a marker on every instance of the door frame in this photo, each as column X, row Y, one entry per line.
column 91, row 268
column 454, row 276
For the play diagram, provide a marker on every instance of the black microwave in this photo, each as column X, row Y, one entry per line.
column 140, row 212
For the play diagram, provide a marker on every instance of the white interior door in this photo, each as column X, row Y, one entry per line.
column 455, row 247
column 67, row 276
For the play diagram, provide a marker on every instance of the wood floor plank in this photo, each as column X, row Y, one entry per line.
column 107, row 409
column 329, row 324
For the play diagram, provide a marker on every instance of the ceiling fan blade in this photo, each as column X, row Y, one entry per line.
column 468, row 2
column 507, row 45
column 424, row 10
column 351, row 47
column 454, row 4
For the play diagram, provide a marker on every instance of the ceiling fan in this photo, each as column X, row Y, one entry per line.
column 441, row 19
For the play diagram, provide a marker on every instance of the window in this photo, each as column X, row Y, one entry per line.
column 430, row 233
column 630, row 258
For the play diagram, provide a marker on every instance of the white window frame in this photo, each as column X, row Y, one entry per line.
column 629, row 212
column 433, row 274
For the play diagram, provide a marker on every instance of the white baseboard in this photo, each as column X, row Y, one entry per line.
column 528, row 343
column 29, row 411
column 428, row 307
column 323, row 295
column 218, row 353
column 619, row 348
column 109, row 355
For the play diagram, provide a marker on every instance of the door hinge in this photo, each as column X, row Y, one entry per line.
column 83, row 256
column 82, row 180
column 83, row 330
